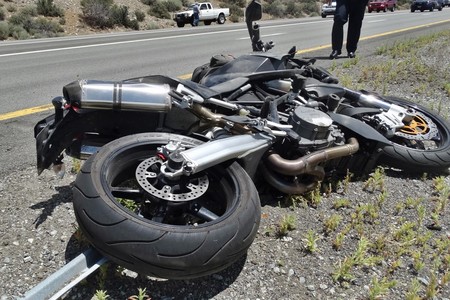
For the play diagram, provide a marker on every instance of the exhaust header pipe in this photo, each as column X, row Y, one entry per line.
column 137, row 96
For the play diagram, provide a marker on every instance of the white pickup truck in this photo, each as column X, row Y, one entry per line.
column 208, row 14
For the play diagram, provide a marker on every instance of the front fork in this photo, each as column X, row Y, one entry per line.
column 392, row 117
column 187, row 162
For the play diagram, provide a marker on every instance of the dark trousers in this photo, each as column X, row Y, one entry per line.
column 353, row 12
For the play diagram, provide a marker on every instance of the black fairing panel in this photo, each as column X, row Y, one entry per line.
column 359, row 128
column 76, row 126
column 242, row 67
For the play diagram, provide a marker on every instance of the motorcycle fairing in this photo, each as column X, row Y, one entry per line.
column 242, row 67
column 359, row 128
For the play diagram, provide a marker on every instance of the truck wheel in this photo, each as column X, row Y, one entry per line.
column 221, row 19
column 179, row 24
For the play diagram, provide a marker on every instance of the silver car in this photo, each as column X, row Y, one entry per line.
column 328, row 9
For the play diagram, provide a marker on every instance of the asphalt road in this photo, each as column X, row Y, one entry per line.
column 34, row 71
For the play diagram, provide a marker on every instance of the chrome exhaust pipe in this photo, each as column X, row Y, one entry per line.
column 137, row 96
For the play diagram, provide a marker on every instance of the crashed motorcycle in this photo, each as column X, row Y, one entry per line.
column 169, row 185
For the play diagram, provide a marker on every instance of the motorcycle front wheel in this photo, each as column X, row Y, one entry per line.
column 174, row 229
column 421, row 146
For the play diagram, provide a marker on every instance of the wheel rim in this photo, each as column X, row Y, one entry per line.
column 132, row 180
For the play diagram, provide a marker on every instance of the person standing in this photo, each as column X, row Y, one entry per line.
column 195, row 14
column 353, row 12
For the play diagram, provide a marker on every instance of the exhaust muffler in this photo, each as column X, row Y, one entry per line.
column 136, row 96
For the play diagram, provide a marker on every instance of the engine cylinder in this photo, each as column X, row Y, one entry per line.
column 311, row 124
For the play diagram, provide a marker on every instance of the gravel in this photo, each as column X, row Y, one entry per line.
column 38, row 236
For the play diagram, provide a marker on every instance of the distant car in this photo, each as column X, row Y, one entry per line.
column 328, row 10
column 381, row 5
column 426, row 5
column 446, row 3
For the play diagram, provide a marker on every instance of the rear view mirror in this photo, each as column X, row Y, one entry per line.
column 253, row 12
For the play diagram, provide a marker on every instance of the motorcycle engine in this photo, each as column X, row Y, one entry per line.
column 315, row 128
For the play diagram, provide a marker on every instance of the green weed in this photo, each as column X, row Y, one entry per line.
column 287, row 223
column 379, row 288
column 310, row 241
column 375, row 181
column 142, row 295
column 341, row 203
column 413, row 291
column 101, row 295
column 342, row 272
column 331, row 223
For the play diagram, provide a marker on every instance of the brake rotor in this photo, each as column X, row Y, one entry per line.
column 172, row 191
column 420, row 128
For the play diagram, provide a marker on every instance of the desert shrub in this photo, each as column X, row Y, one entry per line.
column 276, row 9
column 310, row 7
column 294, row 9
column 149, row 2
column 96, row 12
column 20, row 19
column 233, row 18
column 159, row 10
column 237, row 11
column 42, row 27
column 140, row 15
column 18, row 32
column 49, row 9
column 104, row 13
column 133, row 24
column 119, row 15
column 4, row 30
column 240, row 3
column 2, row 14
column 185, row 3
column 11, row 8
column 152, row 25
column 173, row 5
column 30, row 11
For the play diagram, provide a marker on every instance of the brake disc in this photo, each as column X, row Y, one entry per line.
column 420, row 128
column 172, row 191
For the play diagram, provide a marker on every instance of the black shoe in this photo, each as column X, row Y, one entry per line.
column 334, row 54
column 351, row 55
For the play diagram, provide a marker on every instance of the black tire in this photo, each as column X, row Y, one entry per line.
column 418, row 156
column 163, row 244
column 221, row 19
column 180, row 24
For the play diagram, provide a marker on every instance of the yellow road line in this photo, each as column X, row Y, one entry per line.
column 32, row 110
column 24, row 112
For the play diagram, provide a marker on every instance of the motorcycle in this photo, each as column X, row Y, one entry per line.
column 168, row 187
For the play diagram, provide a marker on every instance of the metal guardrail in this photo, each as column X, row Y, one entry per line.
column 60, row 282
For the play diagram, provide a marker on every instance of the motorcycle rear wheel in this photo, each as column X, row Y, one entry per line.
column 163, row 238
column 409, row 152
